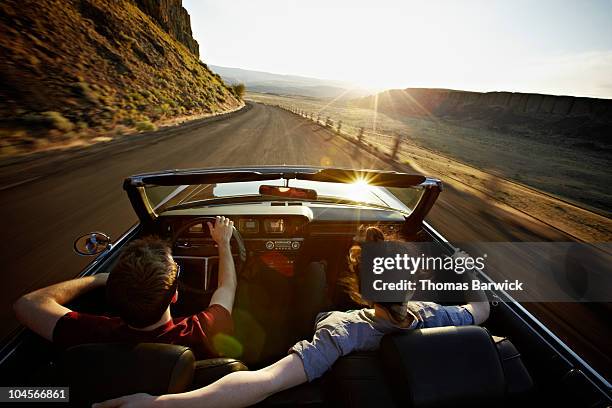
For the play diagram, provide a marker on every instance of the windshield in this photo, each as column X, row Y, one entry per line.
column 164, row 197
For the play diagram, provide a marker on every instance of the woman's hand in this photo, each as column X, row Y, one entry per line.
column 101, row 278
column 221, row 232
column 140, row 400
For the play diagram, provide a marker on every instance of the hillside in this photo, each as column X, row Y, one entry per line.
column 587, row 119
column 72, row 70
column 267, row 82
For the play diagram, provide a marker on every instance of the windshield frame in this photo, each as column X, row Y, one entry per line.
column 247, row 199
column 135, row 186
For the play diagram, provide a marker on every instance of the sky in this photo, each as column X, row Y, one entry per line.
column 545, row 46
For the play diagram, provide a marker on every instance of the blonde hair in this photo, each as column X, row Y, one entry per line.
column 351, row 282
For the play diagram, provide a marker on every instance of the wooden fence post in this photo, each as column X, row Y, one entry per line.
column 396, row 146
column 360, row 135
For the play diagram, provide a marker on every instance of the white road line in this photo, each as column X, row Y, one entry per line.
column 19, row 183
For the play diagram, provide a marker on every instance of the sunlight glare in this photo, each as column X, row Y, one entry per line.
column 359, row 189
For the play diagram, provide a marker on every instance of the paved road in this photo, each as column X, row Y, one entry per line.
column 83, row 194
column 77, row 192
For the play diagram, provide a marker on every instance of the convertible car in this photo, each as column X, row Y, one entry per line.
column 287, row 218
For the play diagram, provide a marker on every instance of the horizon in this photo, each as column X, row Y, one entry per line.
column 406, row 88
column 476, row 46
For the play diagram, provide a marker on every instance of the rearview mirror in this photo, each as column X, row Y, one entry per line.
column 92, row 243
column 290, row 192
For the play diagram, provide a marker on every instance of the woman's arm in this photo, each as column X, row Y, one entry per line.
column 478, row 306
column 238, row 389
column 479, row 309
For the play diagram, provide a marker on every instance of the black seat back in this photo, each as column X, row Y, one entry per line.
column 444, row 367
column 96, row 372
column 358, row 381
column 518, row 380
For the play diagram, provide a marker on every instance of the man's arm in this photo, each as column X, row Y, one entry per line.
column 40, row 310
column 221, row 232
column 238, row 389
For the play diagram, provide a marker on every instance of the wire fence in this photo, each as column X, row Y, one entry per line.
column 392, row 145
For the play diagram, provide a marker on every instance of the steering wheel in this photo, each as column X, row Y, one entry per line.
column 236, row 236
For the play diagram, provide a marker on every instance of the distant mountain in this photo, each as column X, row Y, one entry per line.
column 586, row 118
column 266, row 82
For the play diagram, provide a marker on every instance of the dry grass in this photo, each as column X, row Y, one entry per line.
column 81, row 69
column 578, row 222
column 543, row 161
column 496, row 189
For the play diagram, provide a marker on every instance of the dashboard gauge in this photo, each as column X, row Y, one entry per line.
column 248, row 225
column 196, row 229
column 274, row 225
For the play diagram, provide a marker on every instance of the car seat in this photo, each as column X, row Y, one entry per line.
column 96, row 372
column 453, row 367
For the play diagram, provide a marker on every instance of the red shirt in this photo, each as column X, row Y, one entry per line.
column 196, row 332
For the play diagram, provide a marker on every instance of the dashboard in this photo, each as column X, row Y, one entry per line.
column 274, row 228
column 253, row 226
column 267, row 233
column 260, row 233
column 275, row 238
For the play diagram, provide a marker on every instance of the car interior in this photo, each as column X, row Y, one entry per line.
column 290, row 259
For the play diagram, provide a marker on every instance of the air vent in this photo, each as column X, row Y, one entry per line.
column 278, row 203
column 294, row 204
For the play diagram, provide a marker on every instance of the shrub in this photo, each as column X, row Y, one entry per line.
column 57, row 121
column 83, row 89
column 239, row 90
column 145, row 126
column 165, row 109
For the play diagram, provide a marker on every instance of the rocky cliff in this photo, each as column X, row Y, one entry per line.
column 72, row 70
column 173, row 18
column 588, row 118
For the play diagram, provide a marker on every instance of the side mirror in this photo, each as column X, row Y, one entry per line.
column 92, row 243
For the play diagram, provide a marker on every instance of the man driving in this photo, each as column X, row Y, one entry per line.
column 141, row 286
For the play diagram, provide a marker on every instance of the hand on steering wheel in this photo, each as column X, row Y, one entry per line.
column 222, row 230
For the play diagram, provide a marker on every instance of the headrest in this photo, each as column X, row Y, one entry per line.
column 444, row 366
column 96, row 372
column 210, row 370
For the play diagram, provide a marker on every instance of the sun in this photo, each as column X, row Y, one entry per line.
column 359, row 190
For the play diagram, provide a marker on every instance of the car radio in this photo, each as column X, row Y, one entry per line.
column 283, row 244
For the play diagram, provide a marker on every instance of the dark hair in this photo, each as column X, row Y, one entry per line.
column 352, row 282
column 143, row 281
